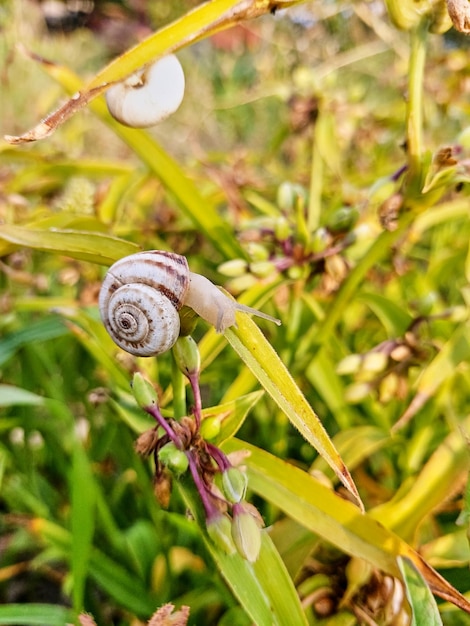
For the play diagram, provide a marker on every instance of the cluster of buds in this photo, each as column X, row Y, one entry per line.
column 384, row 369
column 182, row 446
column 283, row 243
column 409, row 14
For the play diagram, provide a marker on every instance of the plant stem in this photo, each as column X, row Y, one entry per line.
column 414, row 109
column 316, row 180
column 179, row 391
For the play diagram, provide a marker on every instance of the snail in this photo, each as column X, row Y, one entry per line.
column 149, row 95
column 142, row 293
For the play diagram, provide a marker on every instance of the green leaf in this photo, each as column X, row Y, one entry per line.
column 11, row 396
column 232, row 414
column 83, row 245
column 338, row 521
column 42, row 330
column 109, row 574
column 419, row 596
column 436, row 482
column 264, row 362
column 392, row 315
column 34, row 614
column 82, row 521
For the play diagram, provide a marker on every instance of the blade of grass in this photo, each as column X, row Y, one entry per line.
column 82, row 522
column 255, row 351
column 34, row 614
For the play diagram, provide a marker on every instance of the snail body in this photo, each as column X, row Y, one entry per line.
column 149, row 95
column 141, row 295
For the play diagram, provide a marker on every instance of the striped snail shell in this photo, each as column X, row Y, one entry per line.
column 142, row 293
column 149, row 95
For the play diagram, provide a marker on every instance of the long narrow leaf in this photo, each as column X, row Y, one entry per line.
column 34, row 614
column 258, row 354
column 86, row 246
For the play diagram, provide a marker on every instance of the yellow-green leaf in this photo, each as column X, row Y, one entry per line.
column 83, row 245
column 258, row 354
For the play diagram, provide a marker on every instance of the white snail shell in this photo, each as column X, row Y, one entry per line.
column 149, row 95
column 141, row 295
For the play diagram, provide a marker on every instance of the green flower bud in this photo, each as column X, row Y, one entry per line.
column 257, row 251
column 358, row 573
column 186, row 354
column 343, row 219
column 173, row 458
column 241, row 283
column 219, row 530
column 289, row 194
column 356, row 392
column 233, row 268
column 246, row 534
column 210, row 428
column 234, row 484
column 389, row 388
column 351, row 364
column 374, row 362
column 320, row 240
column 262, row 269
column 144, row 393
column 282, row 229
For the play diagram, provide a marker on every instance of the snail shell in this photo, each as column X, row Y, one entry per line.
column 149, row 95
column 141, row 295
column 140, row 298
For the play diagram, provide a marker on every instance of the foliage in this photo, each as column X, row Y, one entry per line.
column 298, row 175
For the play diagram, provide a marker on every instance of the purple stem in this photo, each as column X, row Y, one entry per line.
column 209, row 507
column 194, row 381
column 218, row 456
column 154, row 411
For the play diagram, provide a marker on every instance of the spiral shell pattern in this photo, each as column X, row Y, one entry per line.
column 140, row 298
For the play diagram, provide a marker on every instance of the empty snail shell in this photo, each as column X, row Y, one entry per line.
column 141, row 295
column 149, row 95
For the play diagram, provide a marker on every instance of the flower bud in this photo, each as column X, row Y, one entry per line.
column 241, row 283
column 144, row 393
column 219, row 530
column 234, row 484
column 358, row 573
column 257, row 251
column 246, row 534
column 173, row 458
column 356, row 392
column 288, row 194
column 186, row 354
column 233, row 268
column 320, row 240
column 262, row 269
column 282, row 229
column 351, row 364
column 210, row 428
column 374, row 362
column 343, row 219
